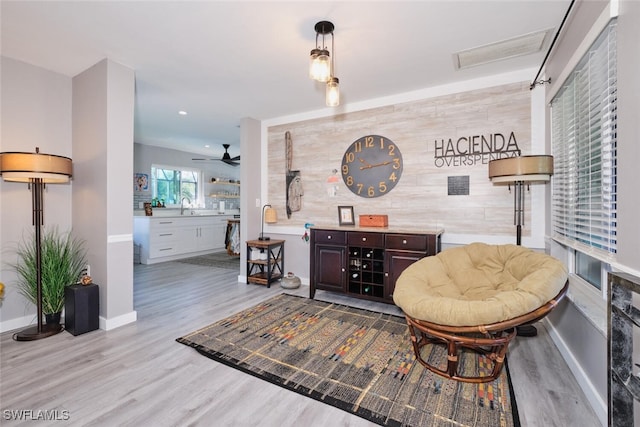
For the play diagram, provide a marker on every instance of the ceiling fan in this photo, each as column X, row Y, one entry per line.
column 233, row 161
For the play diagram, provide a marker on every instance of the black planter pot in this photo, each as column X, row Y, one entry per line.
column 52, row 318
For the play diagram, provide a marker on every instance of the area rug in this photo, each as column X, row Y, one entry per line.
column 357, row 360
column 216, row 259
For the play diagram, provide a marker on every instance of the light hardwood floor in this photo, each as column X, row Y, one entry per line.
column 137, row 375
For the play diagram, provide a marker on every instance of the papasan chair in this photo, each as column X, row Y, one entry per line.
column 473, row 297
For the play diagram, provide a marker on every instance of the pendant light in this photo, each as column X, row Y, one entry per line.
column 320, row 56
column 321, row 65
column 333, row 92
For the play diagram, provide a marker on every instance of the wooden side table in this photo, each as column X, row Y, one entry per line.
column 265, row 261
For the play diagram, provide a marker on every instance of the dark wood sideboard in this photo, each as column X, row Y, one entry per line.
column 365, row 262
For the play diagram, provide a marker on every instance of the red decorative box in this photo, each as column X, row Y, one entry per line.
column 374, row 220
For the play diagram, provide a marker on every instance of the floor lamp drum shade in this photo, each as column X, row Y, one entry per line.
column 522, row 168
column 24, row 167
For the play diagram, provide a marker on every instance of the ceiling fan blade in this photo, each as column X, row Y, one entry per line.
column 235, row 158
column 230, row 162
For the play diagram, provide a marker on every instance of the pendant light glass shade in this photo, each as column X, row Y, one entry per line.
column 320, row 67
column 333, row 92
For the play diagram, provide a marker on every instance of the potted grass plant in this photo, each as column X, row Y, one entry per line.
column 63, row 259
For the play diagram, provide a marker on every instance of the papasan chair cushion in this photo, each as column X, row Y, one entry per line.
column 478, row 284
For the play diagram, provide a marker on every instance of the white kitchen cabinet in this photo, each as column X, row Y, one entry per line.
column 169, row 238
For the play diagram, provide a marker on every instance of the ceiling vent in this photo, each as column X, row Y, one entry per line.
column 517, row 46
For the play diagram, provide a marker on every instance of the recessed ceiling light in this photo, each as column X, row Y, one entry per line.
column 517, row 46
column 182, row 113
column 207, row 146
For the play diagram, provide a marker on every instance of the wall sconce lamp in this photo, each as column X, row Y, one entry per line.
column 518, row 171
column 321, row 66
column 269, row 216
column 36, row 169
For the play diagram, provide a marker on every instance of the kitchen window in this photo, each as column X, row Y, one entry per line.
column 170, row 184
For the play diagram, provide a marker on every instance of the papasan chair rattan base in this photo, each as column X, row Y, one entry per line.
column 473, row 298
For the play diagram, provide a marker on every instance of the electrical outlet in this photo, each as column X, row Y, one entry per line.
column 87, row 268
column 257, row 203
column 140, row 205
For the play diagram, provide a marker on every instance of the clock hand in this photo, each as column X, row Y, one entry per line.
column 368, row 166
column 380, row 164
column 373, row 166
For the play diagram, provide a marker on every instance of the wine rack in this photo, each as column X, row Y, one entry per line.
column 366, row 271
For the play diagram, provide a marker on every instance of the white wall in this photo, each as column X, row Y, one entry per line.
column 253, row 183
column 103, row 98
column 628, row 134
column 35, row 112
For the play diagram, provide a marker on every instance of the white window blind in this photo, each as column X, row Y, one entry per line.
column 583, row 132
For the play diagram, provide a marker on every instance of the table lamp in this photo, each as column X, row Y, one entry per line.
column 269, row 216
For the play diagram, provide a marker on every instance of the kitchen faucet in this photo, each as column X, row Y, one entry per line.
column 182, row 204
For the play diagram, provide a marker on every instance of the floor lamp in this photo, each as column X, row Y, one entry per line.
column 36, row 169
column 521, row 171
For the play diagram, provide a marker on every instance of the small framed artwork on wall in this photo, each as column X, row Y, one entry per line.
column 345, row 215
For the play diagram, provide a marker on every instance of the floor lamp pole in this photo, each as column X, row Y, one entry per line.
column 518, row 213
column 40, row 330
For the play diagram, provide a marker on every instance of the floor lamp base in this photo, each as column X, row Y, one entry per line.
column 526, row 331
column 32, row 333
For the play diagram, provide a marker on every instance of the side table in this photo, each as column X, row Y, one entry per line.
column 265, row 261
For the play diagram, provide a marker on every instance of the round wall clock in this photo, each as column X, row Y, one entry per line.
column 371, row 166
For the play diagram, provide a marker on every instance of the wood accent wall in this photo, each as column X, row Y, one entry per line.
column 421, row 197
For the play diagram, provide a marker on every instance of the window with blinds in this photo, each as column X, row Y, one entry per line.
column 583, row 132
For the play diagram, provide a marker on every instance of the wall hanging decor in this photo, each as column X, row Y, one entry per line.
column 371, row 166
column 294, row 180
column 141, row 182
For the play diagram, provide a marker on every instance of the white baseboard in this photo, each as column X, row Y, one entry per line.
column 597, row 403
column 116, row 322
column 17, row 323
column 105, row 324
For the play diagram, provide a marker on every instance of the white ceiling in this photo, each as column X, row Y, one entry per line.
column 224, row 60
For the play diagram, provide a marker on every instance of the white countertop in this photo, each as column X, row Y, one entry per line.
column 175, row 213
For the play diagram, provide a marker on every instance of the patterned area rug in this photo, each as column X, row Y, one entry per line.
column 357, row 360
column 216, row 259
